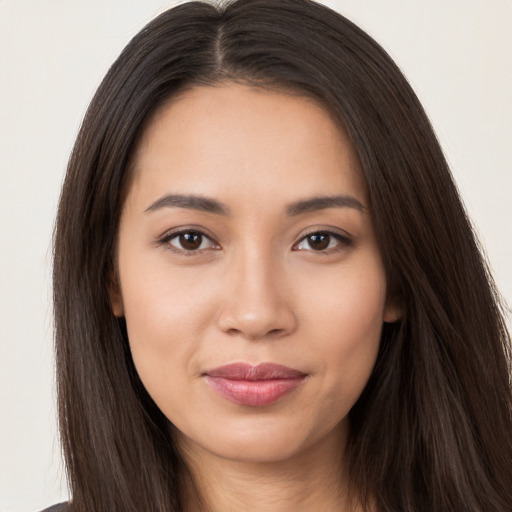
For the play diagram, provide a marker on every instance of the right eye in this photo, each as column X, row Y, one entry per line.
column 189, row 241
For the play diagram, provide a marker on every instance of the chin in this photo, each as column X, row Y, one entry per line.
column 261, row 441
column 262, row 449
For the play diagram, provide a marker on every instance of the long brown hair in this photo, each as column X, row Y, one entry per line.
column 433, row 427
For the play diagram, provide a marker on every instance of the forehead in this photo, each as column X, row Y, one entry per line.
column 245, row 141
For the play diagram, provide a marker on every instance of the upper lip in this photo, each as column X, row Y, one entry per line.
column 263, row 371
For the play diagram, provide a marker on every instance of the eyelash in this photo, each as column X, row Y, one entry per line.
column 344, row 240
column 166, row 240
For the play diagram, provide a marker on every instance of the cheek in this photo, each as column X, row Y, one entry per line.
column 346, row 313
column 165, row 312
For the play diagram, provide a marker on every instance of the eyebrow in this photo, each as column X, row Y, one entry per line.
column 192, row 202
column 323, row 203
column 206, row 204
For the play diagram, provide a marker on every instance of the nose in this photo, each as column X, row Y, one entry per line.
column 258, row 304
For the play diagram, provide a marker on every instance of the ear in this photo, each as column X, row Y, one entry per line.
column 115, row 295
column 393, row 311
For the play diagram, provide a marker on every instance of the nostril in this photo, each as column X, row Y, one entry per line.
column 256, row 335
column 255, row 317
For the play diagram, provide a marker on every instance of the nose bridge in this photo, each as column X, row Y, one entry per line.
column 259, row 305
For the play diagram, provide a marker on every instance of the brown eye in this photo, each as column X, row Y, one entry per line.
column 319, row 241
column 323, row 241
column 190, row 241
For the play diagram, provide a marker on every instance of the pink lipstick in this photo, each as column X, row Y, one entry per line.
column 259, row 385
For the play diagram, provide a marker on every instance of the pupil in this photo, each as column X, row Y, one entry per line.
column 190, row 241
column 319, row 242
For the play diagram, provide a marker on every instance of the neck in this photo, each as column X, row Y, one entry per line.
column 315, row 479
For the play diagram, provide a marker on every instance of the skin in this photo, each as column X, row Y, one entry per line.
column 256, row 290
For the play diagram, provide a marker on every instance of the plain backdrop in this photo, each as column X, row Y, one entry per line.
column 457, row 55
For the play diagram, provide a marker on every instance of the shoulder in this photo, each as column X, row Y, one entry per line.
column 61, row 507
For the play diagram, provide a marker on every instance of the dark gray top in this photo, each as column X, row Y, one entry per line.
column 61, row 507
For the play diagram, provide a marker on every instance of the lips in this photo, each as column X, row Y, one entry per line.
column 249, row 385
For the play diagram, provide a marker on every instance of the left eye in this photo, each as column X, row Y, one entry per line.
column 190, row 241
column 320, row 241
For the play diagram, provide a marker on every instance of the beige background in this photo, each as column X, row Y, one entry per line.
column 53, row 54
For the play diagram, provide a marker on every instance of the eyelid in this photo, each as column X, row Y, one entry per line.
column 345, row 238
column 165, row 238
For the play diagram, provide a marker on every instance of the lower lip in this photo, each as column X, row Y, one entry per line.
column 253, row 393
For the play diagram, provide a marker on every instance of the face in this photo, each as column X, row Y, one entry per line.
column 248, row 272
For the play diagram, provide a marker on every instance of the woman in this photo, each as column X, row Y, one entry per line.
column 267, row 293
